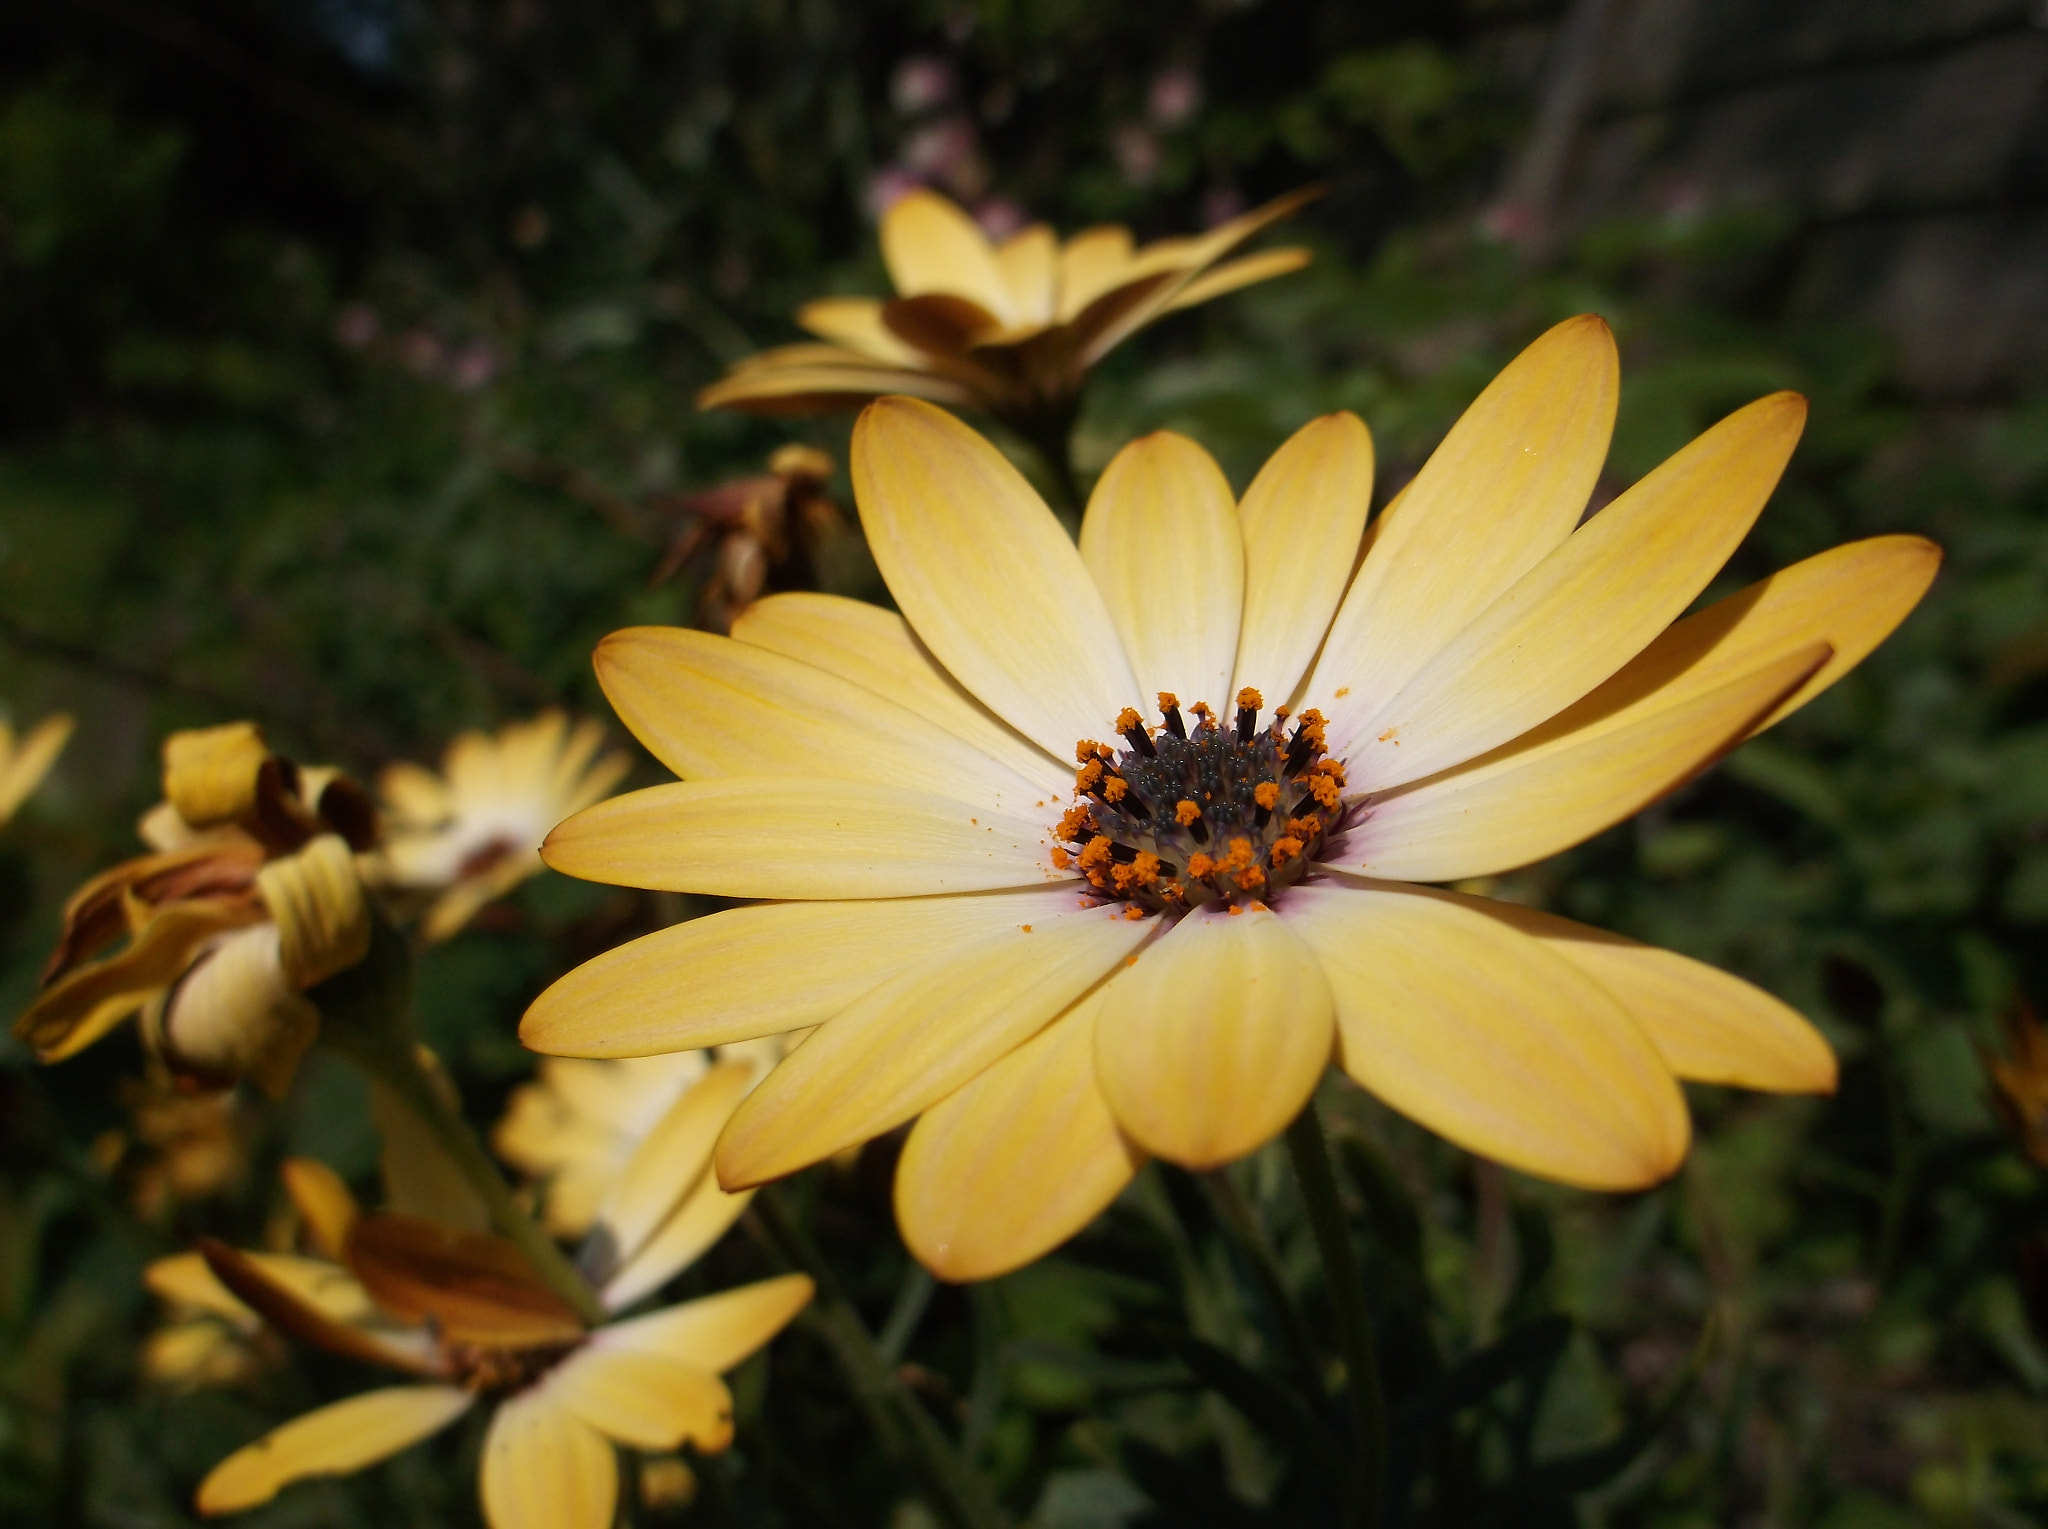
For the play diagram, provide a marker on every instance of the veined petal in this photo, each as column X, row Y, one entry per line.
column 1161, row 542
column 741, row 981
column 545, row 1468
column 1508, row 484
column 1213, row 1042
column 1489, row 1038
column 875, row 649
column 1091, row 263
column 648, row 1401
column 1709, row 1025
column 330, row 1441
column 704, row 1216
column 1301, row 519
column 1590, row 605
column 773, row 837
column 913, row 1040
column 856, row 323
column 1246, row 271
column 1016, row 1162
column 930, row 245
column 987, row 578
column 717, row 1331
column 670, row 1160
column 1850, row 597
column 1029, row 262
column 1523, row 802
column 709, row 708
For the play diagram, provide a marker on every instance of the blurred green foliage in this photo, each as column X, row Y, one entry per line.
column 351, row 348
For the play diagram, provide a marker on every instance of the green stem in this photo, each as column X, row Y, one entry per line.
column 1238, row 1215
column 899, row 1420
column 1318, row 1180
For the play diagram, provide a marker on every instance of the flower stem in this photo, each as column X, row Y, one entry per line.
column 366, row 1014
column 1312, row 1169
column 900, row 1422
column 1243, row 1222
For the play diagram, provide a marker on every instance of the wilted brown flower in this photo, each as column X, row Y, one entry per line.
column 767, row 531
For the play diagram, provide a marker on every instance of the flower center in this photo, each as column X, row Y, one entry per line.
column 496, row 1371
column 1217, row 814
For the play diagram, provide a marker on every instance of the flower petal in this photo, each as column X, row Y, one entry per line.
column 1016, row 1162
column 1708, row 1025
column 1850, row 597
column 711, row 708
column 913, row 1040
column 1246, row 271
column 987, row 578
column 875, row 649
column 798, row 379
column 1302, row 519
column 773, row 837
column 930, row 245
column 704, row 1216
column 1590, row 605
column 729, row 977
column 1212, row 1043
column 669, row 1162
column 1029, row 262
column 1506, row 485
column 1525, row 801
column 23, row 766
column 545, row 1468
column 1489, row 1038
column 648, row 1401
column 330, row 1441
column 1161, row 542
column 185, row 1279
column 715, row 1332
column 856, row 323
column 1091, row 263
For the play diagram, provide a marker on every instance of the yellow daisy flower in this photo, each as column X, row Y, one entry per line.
column 575, row 1126
column 1010, row 329
column 470, row 1322
column 250, row 897
column 1056, row 974
column 24, row 763
column 472, row 833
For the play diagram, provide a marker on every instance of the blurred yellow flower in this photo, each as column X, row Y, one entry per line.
column 24, row 763
column 1010, row 329
column 1167, row 964
column 578, row 1123
column 472, row 833
column 250, row 898
column 464, row 1315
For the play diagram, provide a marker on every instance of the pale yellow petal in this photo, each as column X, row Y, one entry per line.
column 1161, row 542
column 988, row 580
column 856, row 323
column 1246, row 271
column 1491, row 1039
column 671, row 1159
column 773, row 837
column 1212, row 1043
column 1506, row 485
column 1708, row 1025
column 930, row 245
column 1850, row 597
column 875, row 649
column 184, row 1279
column 910, row 1042
column 791, row 385
column 545, row 1468
column 1029, row 262
column 1302, row 519
column 715, row 1332
column 709, row 707
column 323, row 1202
column 647, row 1401
column 330, row 1441
column 23, row 767
column 729, row 977
column 1091, row 263
column 704, row 1216
column 1587, row 608
column 1016, row 1162
column 1521, row 803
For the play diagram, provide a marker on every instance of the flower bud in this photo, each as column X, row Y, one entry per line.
column 323, row 920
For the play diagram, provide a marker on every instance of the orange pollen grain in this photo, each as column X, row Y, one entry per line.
column 1134, row 913
column 1285, row 850
column 1060, row 858
column 1095, row 855
column 1250, row 697
column 1167, row 700
column 1077, row 823
column 1236, row 909
column 1086, row 777
column 1128, row 718
column 1250, row 879
column 1185, row 813
column 1025, row 927
column 1116, row 788
column 1201, row 867
column 1327, row 792
column 1267, row 794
